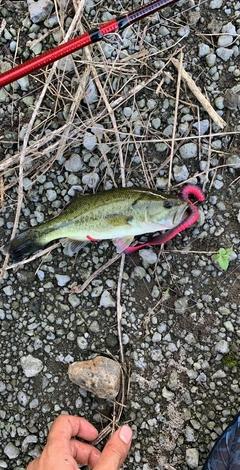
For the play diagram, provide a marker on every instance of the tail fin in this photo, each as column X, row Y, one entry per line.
column 22, row 246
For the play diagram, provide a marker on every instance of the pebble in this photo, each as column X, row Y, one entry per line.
column 91, row 180
column 224, row 53
column 181, row 305
column 218, row 184
column 74, row 163
column 234, row 161
column 8, row 290
column 82, row 342
column 211, row 59
column 91, row 94
column 39, row 10
column 107, row 300
column 216, row 4
column 188, row 150
column 202, row 126
column 89, row 141
column 24, row 83
column 192, row 457
column 203, row 49
column 101, row 376
column 51, row 195
column 181, row 173
column 62, row 279
column 31, row 365
column 11, row 451
column 225, row 40
column 222, row 346
column 148, row 256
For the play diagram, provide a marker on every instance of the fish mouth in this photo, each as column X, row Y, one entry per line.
column 181, row 213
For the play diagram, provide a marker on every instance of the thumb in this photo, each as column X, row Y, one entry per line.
column 116, row 450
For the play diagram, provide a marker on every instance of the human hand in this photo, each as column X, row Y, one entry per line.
column 62, row 452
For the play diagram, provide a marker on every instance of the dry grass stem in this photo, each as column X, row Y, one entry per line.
column 79, row 289
column 198, row 94
column 119, row 308
column 175, row 120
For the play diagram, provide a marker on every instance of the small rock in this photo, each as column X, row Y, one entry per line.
column 11, row 451
column 203, row 49
column 62, row 279
column 169, row 396
column 180, row 173
column 82, row 342
column 148, row 256
column 91, row 180
column 74, row 163
column 216, row 4
column 51, row 195
column 106, row 300
column 188, row 151
column 231, row 99
column 225, row 40
column 234, row 161
column 181, row 305
column 31, row 365
column 89, row 141
column 39, row 10
column 211, row 59
column 222, row 346
column 91, row 93
column 202, row 126
column 192, row 457
column 101, row 376
column 24, row 83
column 224, row 53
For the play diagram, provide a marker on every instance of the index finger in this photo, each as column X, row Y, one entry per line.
column 66, row 426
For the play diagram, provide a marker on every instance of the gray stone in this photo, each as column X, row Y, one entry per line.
column 233, row 161
column 224, row 53
column 148, row 256
column 11, row 451
column 203, row 49
column 211, row 59
column 39, row 10
column 181, row 305
column 62, row 279
column 91, row 179
column 222, row 346
column 202, row 126
column 89, row 141
column 31, row 365
column 181, row 173
column 101, row 376
column 188, row 150
column 192, row 457
column 225, row 40
column 216, row 4
column 106, row 300
column 74, row 163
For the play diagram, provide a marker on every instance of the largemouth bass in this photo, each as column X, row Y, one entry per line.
column 118, row 214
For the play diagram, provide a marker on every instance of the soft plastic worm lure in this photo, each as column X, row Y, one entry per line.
column 113, row 26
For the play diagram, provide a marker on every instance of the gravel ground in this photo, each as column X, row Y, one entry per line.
column 180, row 325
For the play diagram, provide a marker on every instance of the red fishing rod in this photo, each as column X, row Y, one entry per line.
column 113, row 26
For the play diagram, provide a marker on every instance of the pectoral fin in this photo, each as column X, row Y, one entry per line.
column 122, row 243
column 71, row 247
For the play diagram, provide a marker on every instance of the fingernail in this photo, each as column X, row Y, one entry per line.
column 125, row 434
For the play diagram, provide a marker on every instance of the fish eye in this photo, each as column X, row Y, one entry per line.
column 168, row 204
